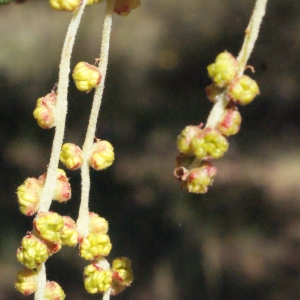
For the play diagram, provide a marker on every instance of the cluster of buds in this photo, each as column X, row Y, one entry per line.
column 198, row 145
column 101, row 157
column 30, row 191
column 99, row 277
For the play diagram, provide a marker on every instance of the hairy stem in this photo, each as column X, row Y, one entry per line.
column 83, row 217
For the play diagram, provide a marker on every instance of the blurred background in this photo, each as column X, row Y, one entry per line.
column 241, row 240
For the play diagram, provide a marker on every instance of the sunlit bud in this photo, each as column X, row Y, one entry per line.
column 214, row 93
column 95, row 245
column 210, row 142
column 96, row 279
column 86, row 76
column 90, row 2
column 33, row 252
column 201, row 178
column 26, row 281
column 54, row 291
column 243, row 90
column 69, row 5
column 69, row 234
column 49, row 225
column 124, row 7
column 102, row 155
column 45, row 110
column 71, row 156
column 97, row 224
column 230, row 122
column 122, row 272
column 185, row 137
column 29, row 196
column 223, row 70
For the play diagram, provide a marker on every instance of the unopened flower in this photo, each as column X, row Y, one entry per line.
column 71, row 156
column 124, row 7
column 32, row 252
column 201, row 178
column 69, row 5
column 97, row 224
column 86, row 76
column 29, row 196
column 95, row 245
column 49, row 225
column 45, row 110
column 54, row 291
column 122, row 272
column 26, row 281
column 230, row 121
column 102, row 155
column 223, row 70
column 210, row 142
column 185, row 137
column 243, row 90
column 69, row 233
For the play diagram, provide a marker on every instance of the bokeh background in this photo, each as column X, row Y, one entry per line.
column 241, row 240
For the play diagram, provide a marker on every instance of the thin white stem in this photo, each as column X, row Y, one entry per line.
column 83, row 217
column 251, row 35
column 61, row 112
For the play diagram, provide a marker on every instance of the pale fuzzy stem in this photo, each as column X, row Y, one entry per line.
column 104, row 264
column 61, row 112
column 83, row 217
column 251, row 35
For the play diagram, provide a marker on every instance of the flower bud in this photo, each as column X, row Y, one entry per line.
column 185, row 137
column 29, row 196
column 45, row 110
column 124, row 7
column 243, row 90
column 230, row 122
column 69, row 5
column 210, row 142
column 96, row 279
column 95, row 245
column 201, row 178
column 223, row 70
column 33, row 252
column 26, row 282
column 97, row 224
column 71, row 156
column 49, row 226
column 86, row 76
column 69, row 234
column 102, row 155
column 213, row 92
column 54, row 291
column 122, row 272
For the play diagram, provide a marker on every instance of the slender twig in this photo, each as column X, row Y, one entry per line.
column 83, row 217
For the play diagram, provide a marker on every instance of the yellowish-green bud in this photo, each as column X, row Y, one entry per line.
column 49, row 226
column 124, row 7
column 122, row 271
column 86, row 76
column 54, row 291
column 33, row 252
column 243, row 90
column 209, row 143
column 71, row 156
column 230, row 122
column 69, row 233
column 223, row 70
column 29, row 196
column 97, row 224
column 69, row 5
column 96, row 279
column 185, row 137
column 102, row 155
column 45, row 110
column 26, row 281
column 95, row 245
column 201, row 178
